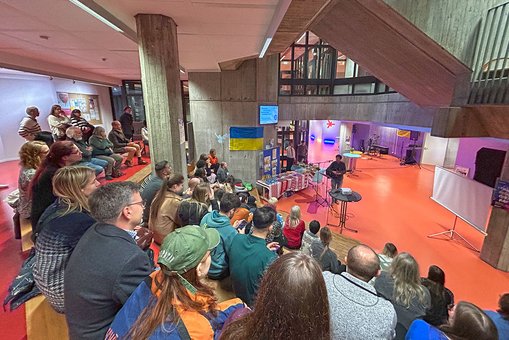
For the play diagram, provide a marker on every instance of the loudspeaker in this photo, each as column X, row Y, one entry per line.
column 410, row 157
column 488, row 165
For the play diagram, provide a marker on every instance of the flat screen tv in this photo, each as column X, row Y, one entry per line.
column 269, row 114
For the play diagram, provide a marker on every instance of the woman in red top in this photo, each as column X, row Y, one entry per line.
column 294, row 228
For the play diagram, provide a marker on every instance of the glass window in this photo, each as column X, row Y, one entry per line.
column 133, row 88
column 364, row 88
column 286, row 64
column 313, row 62
column 340, row 65
column 311, row 90
column 298, row 90
column 136, row 102
column 342, row 89
column 302, row 39
column 326, row 58
column 313, row 39
column 324, row 90
column 299, row 62
column 285, row 90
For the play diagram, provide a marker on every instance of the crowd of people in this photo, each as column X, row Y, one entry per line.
column 287, row 279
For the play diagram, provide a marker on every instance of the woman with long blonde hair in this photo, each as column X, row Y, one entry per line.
column 61, row 226
column 31, row 156
column 402, row 286
column 294, row 228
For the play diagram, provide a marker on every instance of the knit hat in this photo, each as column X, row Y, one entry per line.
column 184, row 248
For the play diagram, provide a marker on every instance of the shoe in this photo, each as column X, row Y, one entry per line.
column 116, row 174
column 108, row 178
column 128, row 164
column 141, row 162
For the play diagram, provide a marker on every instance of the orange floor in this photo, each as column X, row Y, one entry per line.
column 396, row 207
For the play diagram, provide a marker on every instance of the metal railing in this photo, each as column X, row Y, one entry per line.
column 490, row 76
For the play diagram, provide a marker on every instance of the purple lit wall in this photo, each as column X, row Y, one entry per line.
column 361, row 134
column 317, row 150
column 468, row 148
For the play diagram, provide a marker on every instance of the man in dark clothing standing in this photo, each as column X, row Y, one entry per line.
column 107, row 265
column 126, row 119
column 335, row 171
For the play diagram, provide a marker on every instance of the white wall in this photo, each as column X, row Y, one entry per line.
column 434, row 150
column 19, row 90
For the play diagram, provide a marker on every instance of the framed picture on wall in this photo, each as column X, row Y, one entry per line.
column 88, row 104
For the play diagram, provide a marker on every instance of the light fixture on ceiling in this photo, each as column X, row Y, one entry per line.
column 274, row 24
column 182, row 70
column 96, row 15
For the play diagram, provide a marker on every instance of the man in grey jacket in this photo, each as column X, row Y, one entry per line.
column 356, row 310
column 107, row 265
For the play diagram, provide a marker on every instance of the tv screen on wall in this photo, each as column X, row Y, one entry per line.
column 269, row 114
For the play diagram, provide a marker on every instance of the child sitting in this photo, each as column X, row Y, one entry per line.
column 309, row 237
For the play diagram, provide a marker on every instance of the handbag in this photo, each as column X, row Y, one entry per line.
column 13, row 199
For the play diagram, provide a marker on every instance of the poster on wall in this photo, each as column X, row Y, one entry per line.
column 271, row 163
column 88, row 104
column 500, row 197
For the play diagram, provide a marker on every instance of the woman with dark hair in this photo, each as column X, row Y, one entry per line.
column 58, row 122
column 402, row 286
column 61, row 227
column 321, row 252
column 192, row 210
column 303, row 314
column 467, row 322
column 441, row 298
column 80, row 122
column 501, row 317
column 31, row 156
column 60, row 154
column 173, row 302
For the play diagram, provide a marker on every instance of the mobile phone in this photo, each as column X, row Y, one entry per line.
column 242, row 224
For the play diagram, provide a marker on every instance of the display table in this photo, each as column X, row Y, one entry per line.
column 344, row 199
column 352, row 161
column 278, row 185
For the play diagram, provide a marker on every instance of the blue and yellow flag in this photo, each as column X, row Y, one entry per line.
column 246, row 138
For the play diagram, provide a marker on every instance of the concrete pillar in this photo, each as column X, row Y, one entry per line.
column 160, row 75
column 495, row 249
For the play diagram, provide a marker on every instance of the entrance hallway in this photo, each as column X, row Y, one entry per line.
column 396, row 207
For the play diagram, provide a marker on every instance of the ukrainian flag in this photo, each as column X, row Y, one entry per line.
column 246, row 138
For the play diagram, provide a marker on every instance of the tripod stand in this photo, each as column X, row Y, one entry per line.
column 451, row 232
column 319, row 199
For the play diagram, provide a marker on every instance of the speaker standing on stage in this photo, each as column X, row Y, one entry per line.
column 335, row 171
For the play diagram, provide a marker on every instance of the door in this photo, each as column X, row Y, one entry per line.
column 434, row 150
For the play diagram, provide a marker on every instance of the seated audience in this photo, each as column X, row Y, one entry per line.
column 388, row 254
column 28, row 127
column 501, row 317
column 58, row 122
column 31, row 156
column 218, row 194
column 102, row 148
column 441, row 298
column 191, row 184
column 60, row 154
column 251, row 203
column 243, row 212
column 202, row 193
column 176, row 294
column 61, row 227
column 469, row 323
column 122, row 144
column 213, row 160
column 152, row 187
column 77, row 120
column 163, row 211
column 249, row 255
column 222, row 173
column 144, row 133
column 45, row 137
column 357, row 311
column 74, row 135
column 191, row 212
column 205, row 165
column 294, row 228
column 291, row 304
column 321, row 252
column 107, row 265
column 309, row 237
column 272, row 202
column 220, row 220
column 402, row 286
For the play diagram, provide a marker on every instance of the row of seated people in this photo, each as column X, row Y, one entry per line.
column 90, row 232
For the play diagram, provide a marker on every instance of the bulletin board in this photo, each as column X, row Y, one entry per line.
column 271, row 163
column 88, row 104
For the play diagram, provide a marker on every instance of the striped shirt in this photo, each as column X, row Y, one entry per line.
column 28, row 128
column 79, row 122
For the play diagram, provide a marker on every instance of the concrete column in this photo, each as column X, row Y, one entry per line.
column 495, row 249
column 160, row 75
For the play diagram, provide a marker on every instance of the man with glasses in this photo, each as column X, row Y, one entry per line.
column 106, row 265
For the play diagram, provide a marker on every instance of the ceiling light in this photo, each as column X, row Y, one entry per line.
column 182, row 70
column 265, row 47
column 96, row 15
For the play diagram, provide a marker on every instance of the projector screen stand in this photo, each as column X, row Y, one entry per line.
column 451, row 232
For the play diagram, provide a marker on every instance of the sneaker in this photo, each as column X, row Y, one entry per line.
column 141, row 162
column 108, row 178
column 128, row 164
